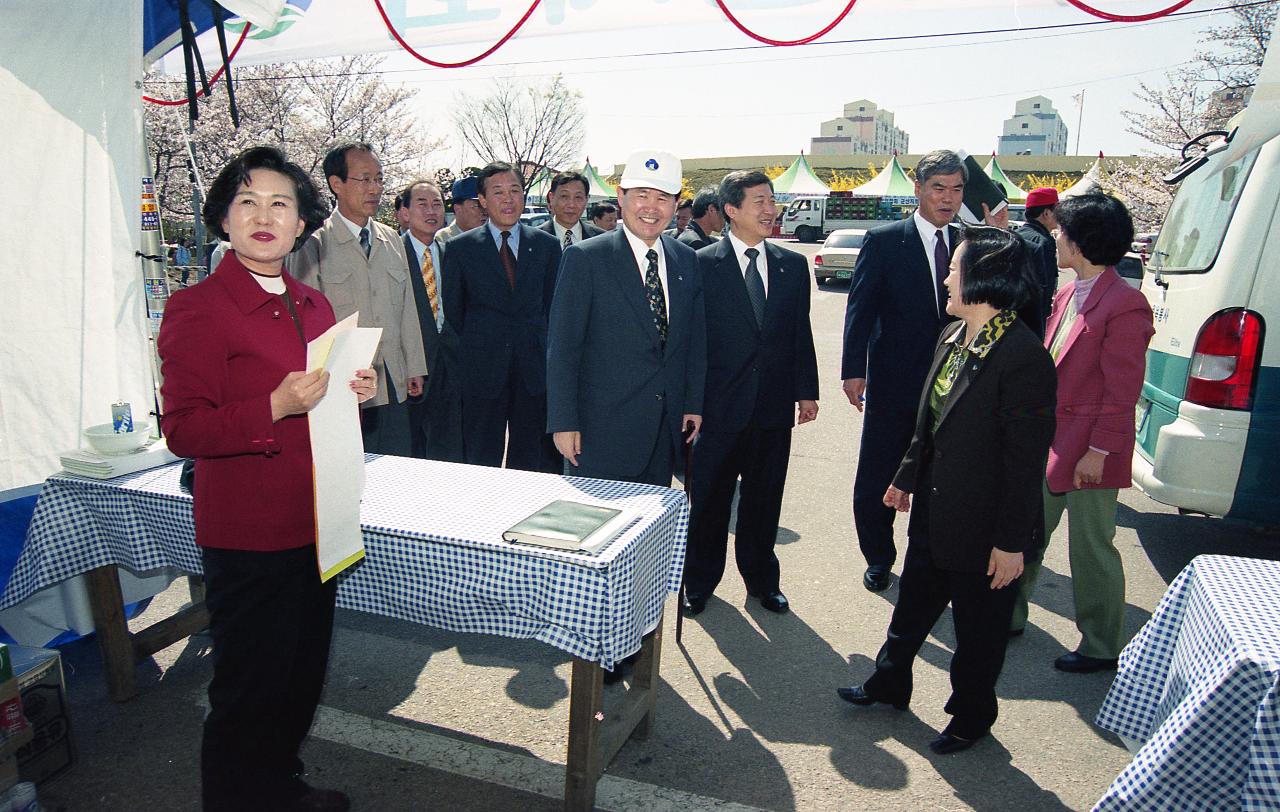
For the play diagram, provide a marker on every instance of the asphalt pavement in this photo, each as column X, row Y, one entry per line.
column 416, row 718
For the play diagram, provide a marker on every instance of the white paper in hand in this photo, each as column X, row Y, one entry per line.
column 337, row 449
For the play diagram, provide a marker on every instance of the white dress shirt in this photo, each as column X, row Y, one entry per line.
column 418, row 248
column 762, row 263
column 560, row 230
column 640, row 250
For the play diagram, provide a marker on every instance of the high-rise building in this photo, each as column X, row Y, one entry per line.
column 1034, row 129
column 864, row 129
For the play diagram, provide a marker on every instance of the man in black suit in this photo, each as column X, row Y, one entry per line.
column 436, row 419
column 1044, row 250
column 498, row 284
column 761, row 366
column 604, row 215
column 896, row 309
column 707, row 217
column 567, row 200
column 684, row 213
column 626, row 359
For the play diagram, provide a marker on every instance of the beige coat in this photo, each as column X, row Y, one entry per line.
column 378, row 288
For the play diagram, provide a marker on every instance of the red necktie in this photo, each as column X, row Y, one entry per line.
column 508, row 259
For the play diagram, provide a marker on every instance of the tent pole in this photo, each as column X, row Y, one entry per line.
column 155, row 280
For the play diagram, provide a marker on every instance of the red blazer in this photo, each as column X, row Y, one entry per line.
column 225, row 345
column 1100, row 373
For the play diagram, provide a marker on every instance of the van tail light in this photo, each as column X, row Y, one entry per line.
column 1224, row 362
column 817, row 260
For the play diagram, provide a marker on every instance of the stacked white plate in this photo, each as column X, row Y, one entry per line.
column 90, row 464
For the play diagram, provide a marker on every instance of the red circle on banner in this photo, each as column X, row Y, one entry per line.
column 396, row 34
column 803, row 41
column 1128, row 18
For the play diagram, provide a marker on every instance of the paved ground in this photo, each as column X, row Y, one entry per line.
column 415, row 718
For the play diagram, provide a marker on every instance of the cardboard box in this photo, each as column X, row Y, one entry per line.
column 44, row 703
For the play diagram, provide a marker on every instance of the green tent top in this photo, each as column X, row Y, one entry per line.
column 799, row 181
column 891, row 182
column 1011, row 189
column 599, row 188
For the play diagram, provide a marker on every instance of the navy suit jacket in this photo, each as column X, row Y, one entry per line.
column 589, row 230
column 893, row 318
column 608, row 375
column 495, row 323
column 756, row 374
column 694, row 237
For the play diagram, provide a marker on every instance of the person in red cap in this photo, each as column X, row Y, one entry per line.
column 1039, row 223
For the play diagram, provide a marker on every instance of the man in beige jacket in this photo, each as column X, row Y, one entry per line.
column 360, row 266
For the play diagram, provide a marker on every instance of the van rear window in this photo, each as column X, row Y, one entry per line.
column 1197, row 222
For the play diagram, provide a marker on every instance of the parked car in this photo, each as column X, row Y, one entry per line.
column 535, row 219
column 1142, row 242
column 838, row 254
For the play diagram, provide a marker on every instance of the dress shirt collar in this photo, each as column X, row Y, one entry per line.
column 496, row 233
column 245, row 290
column 355, row 229
column 640, row 249
column 928, row 232
column 419, row 247
column 560, row 230
column 762, row 261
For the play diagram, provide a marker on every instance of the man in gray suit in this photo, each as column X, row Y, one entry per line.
column 627, row 340
column 467, row 212
column 359, row 265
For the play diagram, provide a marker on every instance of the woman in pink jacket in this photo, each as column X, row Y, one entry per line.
column 1098, row 337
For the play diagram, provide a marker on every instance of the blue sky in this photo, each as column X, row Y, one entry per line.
column 952, row 92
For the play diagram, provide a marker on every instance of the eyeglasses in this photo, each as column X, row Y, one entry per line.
column 378, row 181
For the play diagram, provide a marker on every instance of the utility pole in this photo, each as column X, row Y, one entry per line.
column 1079, row 119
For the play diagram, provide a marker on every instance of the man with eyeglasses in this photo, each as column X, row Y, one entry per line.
column 360, row 266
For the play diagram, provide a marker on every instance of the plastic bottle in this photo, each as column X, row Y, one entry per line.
column 22, row 796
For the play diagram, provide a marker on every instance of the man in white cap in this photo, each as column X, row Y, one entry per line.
column 627, row 344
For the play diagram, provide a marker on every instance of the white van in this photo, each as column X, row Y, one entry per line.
column 1209, row 415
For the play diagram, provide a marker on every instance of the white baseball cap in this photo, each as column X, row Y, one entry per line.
column 652, row 169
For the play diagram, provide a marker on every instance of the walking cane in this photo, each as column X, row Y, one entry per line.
column 688, row 466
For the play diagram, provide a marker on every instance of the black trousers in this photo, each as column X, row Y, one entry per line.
column 435, row 420
column 271, row 620
column 513, row 420
column 981, row 615
column 385, row 429
column 760, row 457
column 886, row 434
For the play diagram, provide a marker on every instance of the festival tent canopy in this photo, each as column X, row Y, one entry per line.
column 892, row 181
column 1091, row 181
column 1011, row 189
column 800, row 181
column 600, row 189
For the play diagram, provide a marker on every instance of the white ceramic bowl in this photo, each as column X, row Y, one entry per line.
column 104, row 440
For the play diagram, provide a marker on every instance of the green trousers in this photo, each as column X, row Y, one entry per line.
column 1097, row 574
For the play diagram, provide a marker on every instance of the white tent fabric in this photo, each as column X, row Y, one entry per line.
column 1090, row 181
column 74, row 321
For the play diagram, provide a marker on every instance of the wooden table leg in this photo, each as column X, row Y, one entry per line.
column 107, row 606
column 586, row 700
column 646, row 680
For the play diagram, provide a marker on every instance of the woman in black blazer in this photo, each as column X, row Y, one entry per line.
column 981, row 440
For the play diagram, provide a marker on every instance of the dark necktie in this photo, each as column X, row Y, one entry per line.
column 568, row 237
column 364, row 242
column 657, row 299
column 755, row 286
column 508, row 259
column 941, row 259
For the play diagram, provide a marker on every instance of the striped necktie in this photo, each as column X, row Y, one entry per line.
column 429, row 280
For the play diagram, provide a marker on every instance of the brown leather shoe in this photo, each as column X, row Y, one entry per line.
column 321, row 800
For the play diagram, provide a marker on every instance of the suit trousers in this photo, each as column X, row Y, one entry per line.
column 981, row 618
column 435, row 420
column 513, row 420
column 1097, row 572
column 271, row 620
column 386, row 428
column 657, row 471
column 886, row 435
column 760, row 457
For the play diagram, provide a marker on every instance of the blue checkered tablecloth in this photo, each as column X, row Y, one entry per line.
column 1198, row 686
column 434, row 550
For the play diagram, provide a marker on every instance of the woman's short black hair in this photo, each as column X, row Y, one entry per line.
column 994, row 268
column 236, row 173
column 1098, row 224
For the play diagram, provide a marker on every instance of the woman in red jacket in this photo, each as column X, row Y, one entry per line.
column 1098, row 336
column 233, row 351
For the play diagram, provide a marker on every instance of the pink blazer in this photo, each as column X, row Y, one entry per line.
column 1100, row 373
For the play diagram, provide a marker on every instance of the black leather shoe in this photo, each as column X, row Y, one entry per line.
column 775, row 602
column 858, row 696
column 321, row 800
column 694, row 604
column 1077, row 663
column 876, row 578
column 948, row 743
